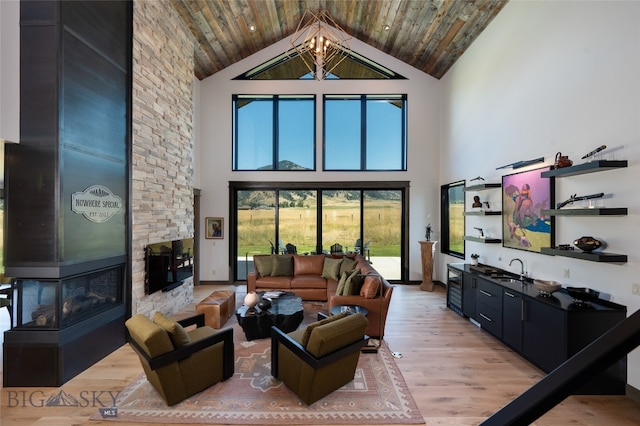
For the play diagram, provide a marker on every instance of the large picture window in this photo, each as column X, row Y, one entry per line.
column 365, row 132
column 274, row 132
column 452, row 219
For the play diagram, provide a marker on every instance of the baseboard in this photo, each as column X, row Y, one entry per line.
column 633, row 393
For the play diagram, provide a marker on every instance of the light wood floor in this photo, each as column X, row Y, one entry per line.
column 457, row 373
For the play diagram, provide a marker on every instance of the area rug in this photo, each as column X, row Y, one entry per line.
column 377, row 395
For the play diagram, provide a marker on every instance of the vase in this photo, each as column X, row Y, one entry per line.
column 264, row 304
column 251, row 299
column 474, row 262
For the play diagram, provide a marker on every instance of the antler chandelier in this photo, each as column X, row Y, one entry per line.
column 320, row 43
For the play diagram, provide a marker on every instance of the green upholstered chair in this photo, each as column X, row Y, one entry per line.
column 179, row 363
column 315, row 361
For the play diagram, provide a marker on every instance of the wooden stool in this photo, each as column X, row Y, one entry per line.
column 217, row 308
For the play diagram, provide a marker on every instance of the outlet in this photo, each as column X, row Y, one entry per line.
column 213, row 271
column 499, row 257
column 567, row 273
column 635, row 289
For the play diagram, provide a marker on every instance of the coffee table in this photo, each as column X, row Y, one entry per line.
column 286, row 313
column 350, row 309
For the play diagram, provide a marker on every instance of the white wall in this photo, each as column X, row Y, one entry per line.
column 547, row 77
column 9, row 71
column 215, row 145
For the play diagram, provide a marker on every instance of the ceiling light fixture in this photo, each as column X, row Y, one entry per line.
column 387, row 27
column 252, row 28
column 320, row 43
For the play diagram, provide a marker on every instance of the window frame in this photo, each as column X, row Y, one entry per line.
column 275, row 147
column 364, row 98
column 445, row 219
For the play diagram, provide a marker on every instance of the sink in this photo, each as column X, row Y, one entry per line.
column 509, row 280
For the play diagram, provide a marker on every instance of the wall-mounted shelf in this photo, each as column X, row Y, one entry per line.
column 593, row 256
column 580, row 169
column 482, row 213
column 482, row 187
column 482, row 240
column 598, row 211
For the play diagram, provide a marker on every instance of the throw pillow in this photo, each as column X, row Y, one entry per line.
column 331, row 268
column 310, row 327
column 347, row 265
column 263, row 265
column 370, row 288
column 177, row 333
column 282, row 266
column 341, row 283
column 353, row 284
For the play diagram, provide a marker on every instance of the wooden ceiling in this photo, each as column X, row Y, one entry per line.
column 429, row 35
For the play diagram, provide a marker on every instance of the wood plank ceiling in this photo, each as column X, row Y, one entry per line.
column 429, row 35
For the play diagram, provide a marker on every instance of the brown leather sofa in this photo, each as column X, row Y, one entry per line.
column 308, row 278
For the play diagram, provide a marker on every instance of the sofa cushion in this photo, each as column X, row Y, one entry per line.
column 352, row 284
column 347, row 264
column 331, row 268
column 308, row 281
column 308, row 265
column 310, row 327
column 371, row 287
column 273, row 283
column 282, row 266
column 263, row 265
column 177, row 333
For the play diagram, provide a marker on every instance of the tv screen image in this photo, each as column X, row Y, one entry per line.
column 524, row 196
column 168, row 264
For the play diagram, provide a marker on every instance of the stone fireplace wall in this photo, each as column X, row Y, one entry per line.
column 163, row 145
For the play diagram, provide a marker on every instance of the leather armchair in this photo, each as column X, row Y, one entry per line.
column 180, row 363
column 315, row 361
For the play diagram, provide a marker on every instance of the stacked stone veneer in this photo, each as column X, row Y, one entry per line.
column 162, row 133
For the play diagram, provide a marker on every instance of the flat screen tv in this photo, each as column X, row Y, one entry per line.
column 524, row 196
column 168, row 264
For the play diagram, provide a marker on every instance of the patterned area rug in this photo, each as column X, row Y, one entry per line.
column 377, row 395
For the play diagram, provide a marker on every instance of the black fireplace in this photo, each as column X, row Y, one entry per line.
column 67, row 188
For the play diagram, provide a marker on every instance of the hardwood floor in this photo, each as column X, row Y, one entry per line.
column 457, row 373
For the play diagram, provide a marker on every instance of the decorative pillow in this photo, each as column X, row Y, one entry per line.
column 263, row 265
column 310, row 327
column 370, row 288
column 282, row 266
column 347, row 265
column 177, row 333
column 353, row 284
column 341, row 283
column 331, row 268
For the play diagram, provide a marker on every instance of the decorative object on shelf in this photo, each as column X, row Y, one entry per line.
column 546, row 288
column 251, row 299
column 476, row 202
column 594, row 152
column 264, row 304
column 486, row 203
column 474, row 259
column 476, row 178
column 564, row 247
column 575, row 197
column 562, row 161
column 588, row 244
column 428, row 232
column 520, row 164
column 320, row 42
column 583, row 295
column 480, row 230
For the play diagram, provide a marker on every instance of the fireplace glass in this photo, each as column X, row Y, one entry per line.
column 56, row 304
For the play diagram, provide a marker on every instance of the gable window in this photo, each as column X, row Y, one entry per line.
column 452, row 219
column 365, row 132
column 273, row 132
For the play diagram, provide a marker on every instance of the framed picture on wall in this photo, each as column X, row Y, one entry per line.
column 214, row 228
column 524, row 196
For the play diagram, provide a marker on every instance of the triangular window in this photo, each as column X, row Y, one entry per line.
column 290, row 66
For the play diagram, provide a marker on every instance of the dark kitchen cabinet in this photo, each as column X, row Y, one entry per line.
column 489, row 307
column 544, row 334
column 469, row 284
column 512, row 313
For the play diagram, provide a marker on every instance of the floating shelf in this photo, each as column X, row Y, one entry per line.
column 483, row 240
column 482, row 187
column 482, row 213
column 598, row 211
column 580, row 169
column 593, row 256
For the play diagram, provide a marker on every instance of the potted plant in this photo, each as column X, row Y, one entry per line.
column 474, row 258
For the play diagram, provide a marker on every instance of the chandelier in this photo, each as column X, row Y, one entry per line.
column 320, row 43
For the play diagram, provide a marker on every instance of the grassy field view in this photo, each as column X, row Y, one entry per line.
column 340, row 224
column 456, row 237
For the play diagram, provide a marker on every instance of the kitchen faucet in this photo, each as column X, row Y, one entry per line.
column 522, row 274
